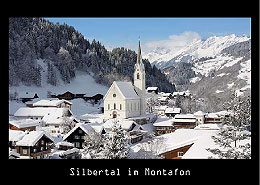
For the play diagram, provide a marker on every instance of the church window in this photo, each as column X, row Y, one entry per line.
column 138, row 76
column 120, row 106
column 108, row 106
column 114, row 95
column 114, row 106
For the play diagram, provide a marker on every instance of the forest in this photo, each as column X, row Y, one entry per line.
column 65, row 50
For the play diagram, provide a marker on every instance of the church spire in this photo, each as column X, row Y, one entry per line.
column 139, row 53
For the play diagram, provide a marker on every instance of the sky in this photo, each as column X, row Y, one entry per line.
column 124, row 32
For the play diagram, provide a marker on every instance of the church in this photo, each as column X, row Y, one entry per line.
column 124, row 99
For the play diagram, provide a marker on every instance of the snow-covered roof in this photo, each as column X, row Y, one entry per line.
column 16, row 135
column 166, row 123
column 125, row 124
column 199, row 113
column 127, row 89
column 64, row 143
column 184, row 120
column 212, row 115
column 208, row 127
column 49, row 103
column 53, row 119
column 32, row 137
column 152, row 88
column 198, row 149
column 39, row 111
column 97, row 127
column 184, row 116
column 23, row 123
column 173, row 110
column 85, row 127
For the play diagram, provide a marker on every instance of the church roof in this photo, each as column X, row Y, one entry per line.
column 127, row 89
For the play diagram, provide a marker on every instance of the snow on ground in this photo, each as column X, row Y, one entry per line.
column 83, row 83
column 230, row 85
column 218, row 91
column 195, row 79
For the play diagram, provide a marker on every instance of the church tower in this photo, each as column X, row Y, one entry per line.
column 139, row 80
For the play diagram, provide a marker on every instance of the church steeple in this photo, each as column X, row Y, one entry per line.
column 139, row 79
column 139, row 53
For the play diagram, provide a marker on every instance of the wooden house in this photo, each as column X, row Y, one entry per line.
column 171, row 112
column 176, row 153
column 35, row 145
column 24, row 124
column 164, row 127
column 184, row 121
column 67, row 96
column 53, row 103
column 77, row 134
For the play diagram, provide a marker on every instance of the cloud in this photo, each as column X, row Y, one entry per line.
column 174, row 41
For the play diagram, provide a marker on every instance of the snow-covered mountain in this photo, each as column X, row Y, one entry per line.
column 166, row 57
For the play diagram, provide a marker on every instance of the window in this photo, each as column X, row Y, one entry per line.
column 41, row 148
column 114, row 106
column 120, row 106
column 42, row 142
column 108, row 106
column 180, row 154
column 82, row 137
column 138, row 76
column 56, row 126
column 114, row 95
column 80, row 131
column 24, row 151
column 77, row 144
column 35, row 150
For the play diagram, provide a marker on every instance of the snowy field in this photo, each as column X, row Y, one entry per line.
column 83, row 83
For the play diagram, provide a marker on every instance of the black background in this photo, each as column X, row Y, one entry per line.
column 203, row 171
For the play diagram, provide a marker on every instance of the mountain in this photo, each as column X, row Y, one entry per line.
column 165, row 57
column 36, row 44
column 211, row 70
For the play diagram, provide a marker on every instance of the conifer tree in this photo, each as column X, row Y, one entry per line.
column 232, row 138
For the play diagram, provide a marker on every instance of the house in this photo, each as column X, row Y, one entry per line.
column 212, row 118
column 50, row 117
column 171, row 112
column 67, row 96
column 15, row 136
column 124, row 99
column 35, row 145
column 161, row 109
column 53, row 103
column 184, row 121
column 77, row 134
column 24, row 124
column 153, row 90
column 164, row 127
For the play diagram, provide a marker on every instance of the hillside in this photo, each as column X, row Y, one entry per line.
column 63, row 50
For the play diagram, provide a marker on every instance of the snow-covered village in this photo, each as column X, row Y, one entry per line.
column 70, row 98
